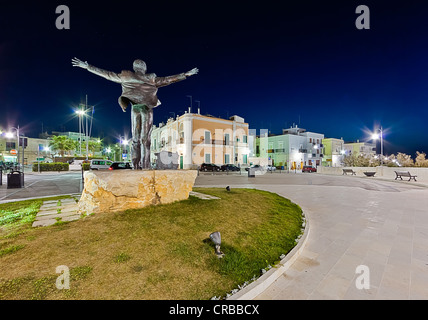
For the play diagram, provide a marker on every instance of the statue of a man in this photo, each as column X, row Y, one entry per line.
column 139, row 90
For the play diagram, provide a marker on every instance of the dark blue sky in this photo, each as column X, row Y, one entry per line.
column 270, row 62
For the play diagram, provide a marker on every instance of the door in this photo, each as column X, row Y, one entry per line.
column 181, row 162
column 226, row 159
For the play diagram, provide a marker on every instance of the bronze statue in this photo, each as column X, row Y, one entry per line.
column 139, row 90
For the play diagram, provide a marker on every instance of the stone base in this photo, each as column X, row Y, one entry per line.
column 128, row 189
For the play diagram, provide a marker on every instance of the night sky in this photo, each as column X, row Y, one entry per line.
column 271, row 62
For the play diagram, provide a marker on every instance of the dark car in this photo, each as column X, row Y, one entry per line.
column 120, row 166
column 209, row 167
column 309, row 169
column 230, row 167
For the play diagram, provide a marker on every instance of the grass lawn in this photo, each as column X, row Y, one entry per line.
column 156, row 253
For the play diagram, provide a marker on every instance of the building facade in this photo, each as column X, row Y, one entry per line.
column 294, row 149
column 360, row 148
column 202, row 139
column 334, row 151
column 33, row 149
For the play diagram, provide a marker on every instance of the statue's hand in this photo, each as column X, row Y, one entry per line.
column 78, row 63
column 192, row 72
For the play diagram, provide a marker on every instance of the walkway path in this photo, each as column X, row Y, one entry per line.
column 54, row 211
column 354, row 221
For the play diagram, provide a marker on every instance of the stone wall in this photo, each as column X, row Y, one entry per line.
column 107, row 191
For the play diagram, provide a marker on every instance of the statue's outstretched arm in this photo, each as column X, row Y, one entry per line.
column 99, row 72
column 166, row 81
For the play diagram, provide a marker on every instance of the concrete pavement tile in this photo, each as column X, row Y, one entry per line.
column 44, row 223
column 419, row 285
column 333, row 287
column 71, row 218
column 346, row 266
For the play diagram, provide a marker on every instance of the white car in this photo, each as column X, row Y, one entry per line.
column 270, row 168
column 100, row 164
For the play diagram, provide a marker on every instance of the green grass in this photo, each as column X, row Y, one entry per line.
column 20, row 214
column 159, row 252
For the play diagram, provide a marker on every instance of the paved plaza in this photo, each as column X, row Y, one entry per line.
column 354, row 221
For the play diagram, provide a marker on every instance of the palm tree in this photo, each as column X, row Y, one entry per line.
column 62, row 144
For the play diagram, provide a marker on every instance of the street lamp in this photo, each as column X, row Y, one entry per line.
column 376, row 136
column 124, row 142
column 80, row 113
column 9, row 135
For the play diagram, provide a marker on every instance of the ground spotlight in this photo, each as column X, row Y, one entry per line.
column 216, row 239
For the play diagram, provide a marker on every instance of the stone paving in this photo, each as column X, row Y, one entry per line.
column 54, row 211
column 354, row 222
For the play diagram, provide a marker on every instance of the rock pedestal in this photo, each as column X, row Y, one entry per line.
column 133, row 189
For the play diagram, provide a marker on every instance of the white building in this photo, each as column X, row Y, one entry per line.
column 294, row 149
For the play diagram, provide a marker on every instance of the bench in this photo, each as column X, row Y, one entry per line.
column 401, row 174
column 346, row 171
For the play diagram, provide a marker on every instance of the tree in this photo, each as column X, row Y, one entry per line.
column 350, row 160
column 405, row 160
column 420, row 160
column 62, row 144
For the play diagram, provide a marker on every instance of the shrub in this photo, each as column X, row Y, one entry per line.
column 57, row 166
column 86, row 166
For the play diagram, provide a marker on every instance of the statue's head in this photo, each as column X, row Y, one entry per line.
column 140, row 66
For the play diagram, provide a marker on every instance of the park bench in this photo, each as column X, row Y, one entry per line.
column 346, row 171
column 401, row 174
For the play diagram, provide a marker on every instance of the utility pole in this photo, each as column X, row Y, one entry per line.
column 87, row 131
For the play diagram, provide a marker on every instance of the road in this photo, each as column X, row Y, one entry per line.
column 44, row 184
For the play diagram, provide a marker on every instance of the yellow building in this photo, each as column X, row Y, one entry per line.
column 203, row 139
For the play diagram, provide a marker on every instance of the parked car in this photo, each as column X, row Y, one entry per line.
column 100, row 164
column 309, row 169
column 270, row 168
column 255, row 167
column 230, row 167
column 120, row 166
column 209, row 167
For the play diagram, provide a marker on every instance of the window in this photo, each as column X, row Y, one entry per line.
column 310, row 140
column 226, row 159
column 207, row 158
column 245, row 139
column 207, row 137
column 10, row 146
column 245, row 159
column 226, row 139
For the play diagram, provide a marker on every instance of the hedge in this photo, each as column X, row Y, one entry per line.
column 56, row 166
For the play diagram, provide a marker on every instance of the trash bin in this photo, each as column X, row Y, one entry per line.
column 15, row 180
column 251, row 173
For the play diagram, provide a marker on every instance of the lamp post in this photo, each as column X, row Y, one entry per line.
column 124, row 143
column 80, row 113
column 376, row 136
column 10, row 135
